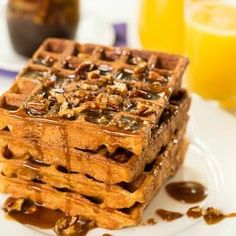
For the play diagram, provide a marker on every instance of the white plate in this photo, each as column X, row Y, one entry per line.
column 211, row 160
column 92, row 29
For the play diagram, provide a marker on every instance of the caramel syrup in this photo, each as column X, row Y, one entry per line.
column 194, row 212
column 168, row 215
column 66, row 149
column 43, row 218
column 151, row 221
column 210, row 215
column 187, row 191
column 214, row 216
column 35, row 215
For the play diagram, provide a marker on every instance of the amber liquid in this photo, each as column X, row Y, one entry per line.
column 187, row 191
column 26, row 36
column 168, row 215
column 30, row 23
column 210, row 215
column 42, row 217
column 38, row 216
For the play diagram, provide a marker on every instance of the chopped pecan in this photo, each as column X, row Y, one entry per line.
column 118, row 88
column 22, row 205
column 83, row 68
column 156, row 78
column 88, row 86
column 140, row 68
column 104, row 101
column 75, row 101
column 72, row 226
column 153, row 75
column 80, row 93
column 60, row 98
column 65, row 111
column 70, row 86
column 12, row 204
column 115, row 101
column 37, row 107
column 95, row 74
column 144, row 109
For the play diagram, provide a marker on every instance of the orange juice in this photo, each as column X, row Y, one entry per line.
column 211, row 47
column 161, row 25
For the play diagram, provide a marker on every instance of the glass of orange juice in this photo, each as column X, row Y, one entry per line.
column 211, row 47
column 161, row 25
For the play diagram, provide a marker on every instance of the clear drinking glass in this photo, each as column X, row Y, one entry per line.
column 161, row 25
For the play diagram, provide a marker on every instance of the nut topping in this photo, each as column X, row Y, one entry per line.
column 72, row 226
column 141, row 67
column 20, row 204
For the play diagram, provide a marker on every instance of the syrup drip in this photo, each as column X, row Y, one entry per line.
column 168, row 215
column 64, row 135
column 151, row 221
column 194, row 212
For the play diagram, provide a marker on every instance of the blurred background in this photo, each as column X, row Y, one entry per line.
column 203, row 30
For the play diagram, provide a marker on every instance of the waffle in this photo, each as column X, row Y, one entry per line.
column 92, row 130
column 164, row 167
column 114, row 196
column 100, row 166
column 90, row 96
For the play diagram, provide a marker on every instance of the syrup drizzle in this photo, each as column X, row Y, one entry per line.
column 33, row 166
column 66, row 150
column 168, row 215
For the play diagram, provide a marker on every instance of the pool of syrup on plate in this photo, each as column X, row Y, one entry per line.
column 193, row 193
column 190, row 192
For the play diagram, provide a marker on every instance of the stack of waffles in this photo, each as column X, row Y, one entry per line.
column 93, row 131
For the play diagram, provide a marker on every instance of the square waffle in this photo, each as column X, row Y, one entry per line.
column 92, row 130
column 16, row 162
column 91, row 208
column 120, row 167
column 87, row 96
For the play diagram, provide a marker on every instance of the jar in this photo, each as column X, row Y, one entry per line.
column 32, row 21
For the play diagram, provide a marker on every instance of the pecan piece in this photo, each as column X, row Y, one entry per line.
column 72, row 226
column 140, row 68
column 37, row 107
column 22, row 205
